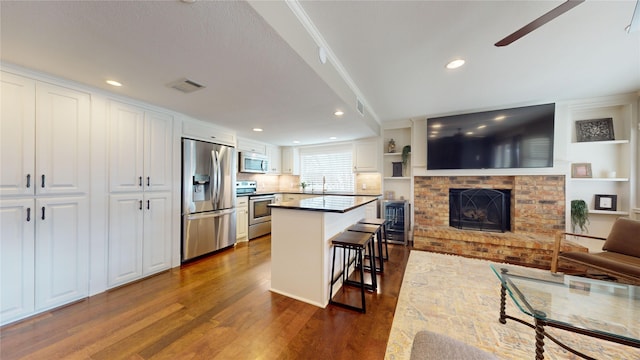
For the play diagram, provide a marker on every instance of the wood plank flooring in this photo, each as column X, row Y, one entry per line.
column 218, row 307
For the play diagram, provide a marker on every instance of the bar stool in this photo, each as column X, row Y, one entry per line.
column 373, row 230
column 348, row 241
column 383, row 229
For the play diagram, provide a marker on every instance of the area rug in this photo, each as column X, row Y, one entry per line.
column 460, row 297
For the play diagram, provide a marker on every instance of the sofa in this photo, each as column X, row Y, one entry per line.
column 619, row 258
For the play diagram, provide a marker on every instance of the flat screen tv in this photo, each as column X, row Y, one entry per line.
column 510, row 138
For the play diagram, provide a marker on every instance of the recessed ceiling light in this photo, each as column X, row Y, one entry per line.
column 454, row 64
column 257, row 129
column 296, row 142
column 338, row 113
column 332, row 138
column 436, row 126
column 113, row 83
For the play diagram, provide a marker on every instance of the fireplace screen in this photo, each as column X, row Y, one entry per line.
column 480, row 209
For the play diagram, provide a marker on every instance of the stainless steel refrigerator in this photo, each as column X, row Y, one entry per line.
column 208, row 197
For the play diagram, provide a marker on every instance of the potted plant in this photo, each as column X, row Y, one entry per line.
column 303, row 185
column 406, row 150
column 579, row 215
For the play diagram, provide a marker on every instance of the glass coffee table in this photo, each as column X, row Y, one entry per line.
column 601, row 309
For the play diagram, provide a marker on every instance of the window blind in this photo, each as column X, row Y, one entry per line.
column 334, row 163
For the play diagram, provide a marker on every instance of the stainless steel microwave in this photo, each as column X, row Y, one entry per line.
column 253, row 163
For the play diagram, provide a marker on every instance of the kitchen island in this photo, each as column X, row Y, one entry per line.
column 300, row 246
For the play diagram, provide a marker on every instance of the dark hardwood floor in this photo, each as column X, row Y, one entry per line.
column 218, row 307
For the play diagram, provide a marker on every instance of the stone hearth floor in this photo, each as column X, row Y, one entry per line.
column 460, row 297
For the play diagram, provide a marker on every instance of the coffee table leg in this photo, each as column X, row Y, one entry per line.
column 503, row 304
column 539, row 340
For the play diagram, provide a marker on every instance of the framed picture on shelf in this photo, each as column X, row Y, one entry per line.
column 581, row 170
column 606, row 202
column 594, row 130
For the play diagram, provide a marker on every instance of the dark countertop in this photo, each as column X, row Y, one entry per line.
column 307, row 193
column 327, row 203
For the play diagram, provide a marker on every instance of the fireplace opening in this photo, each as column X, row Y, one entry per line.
column 480, row 209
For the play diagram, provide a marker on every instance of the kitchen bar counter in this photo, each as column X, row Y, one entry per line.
column 309, row 193
column 327, row 203
column 300, row 243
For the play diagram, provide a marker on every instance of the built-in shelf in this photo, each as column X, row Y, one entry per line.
column 397, row 178
column 609, row 212
column 600, row 179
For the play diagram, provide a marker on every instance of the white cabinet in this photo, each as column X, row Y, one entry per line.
column 45, row 135
column 253, row 146
column 275, row 159
column 140, row 148
column 17, row 259
column 61, row 251
column 613, row 163
column 290, row 161
column 139, row 242
column 139, row 236
column 17, row 135
column 44, row 138
column 365, row 155
column 199, row 130
column 242, row 218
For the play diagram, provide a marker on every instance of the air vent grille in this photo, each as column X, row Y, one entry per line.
column 185, row 85
column 360, row 106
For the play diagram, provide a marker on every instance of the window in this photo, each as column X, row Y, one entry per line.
column 334, row 163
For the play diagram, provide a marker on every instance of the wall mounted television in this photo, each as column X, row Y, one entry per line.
column 501, row 139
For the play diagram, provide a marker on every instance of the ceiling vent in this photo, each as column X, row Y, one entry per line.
column 185, row 85
column 360, row 106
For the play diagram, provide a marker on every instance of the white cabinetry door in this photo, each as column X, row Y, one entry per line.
column 17, row 135
column 252, row 146
column 275, row 159
column 242, row 218
column 127, row 134
column 157, row 152
column 290, row 161
column 365, row 156
column 156, row 246
column 61, row 251
column 17, row 261
column 62, row 140
column 125, row 238
column 140, row 149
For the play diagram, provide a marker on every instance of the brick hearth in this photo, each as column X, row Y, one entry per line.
column 537, row 214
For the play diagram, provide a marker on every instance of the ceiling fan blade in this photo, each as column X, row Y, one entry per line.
column 552, row 14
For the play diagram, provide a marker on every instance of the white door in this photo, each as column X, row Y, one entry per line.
column 62, row 140
column 126, row 147
column 16, row 259
column 61, row 250
column 156, row 247
column 125, row 238
column 157, row 151
column 17, row 135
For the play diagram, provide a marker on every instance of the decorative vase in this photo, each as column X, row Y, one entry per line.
column 391, row 147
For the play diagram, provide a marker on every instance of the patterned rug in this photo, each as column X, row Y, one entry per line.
column 460, row 297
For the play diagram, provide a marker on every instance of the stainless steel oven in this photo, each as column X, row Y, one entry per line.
column 260, row 215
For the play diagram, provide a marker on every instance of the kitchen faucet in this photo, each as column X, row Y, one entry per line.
column 324, row 182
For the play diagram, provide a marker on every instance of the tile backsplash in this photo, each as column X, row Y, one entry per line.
column 366, row 183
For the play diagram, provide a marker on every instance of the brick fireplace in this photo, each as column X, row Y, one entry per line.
column 537, row 208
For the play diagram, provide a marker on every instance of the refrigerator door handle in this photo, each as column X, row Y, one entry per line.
column 210, row 214
column 213, row 184
column 218, row 178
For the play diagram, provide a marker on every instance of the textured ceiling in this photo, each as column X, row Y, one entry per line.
column 261, row 69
